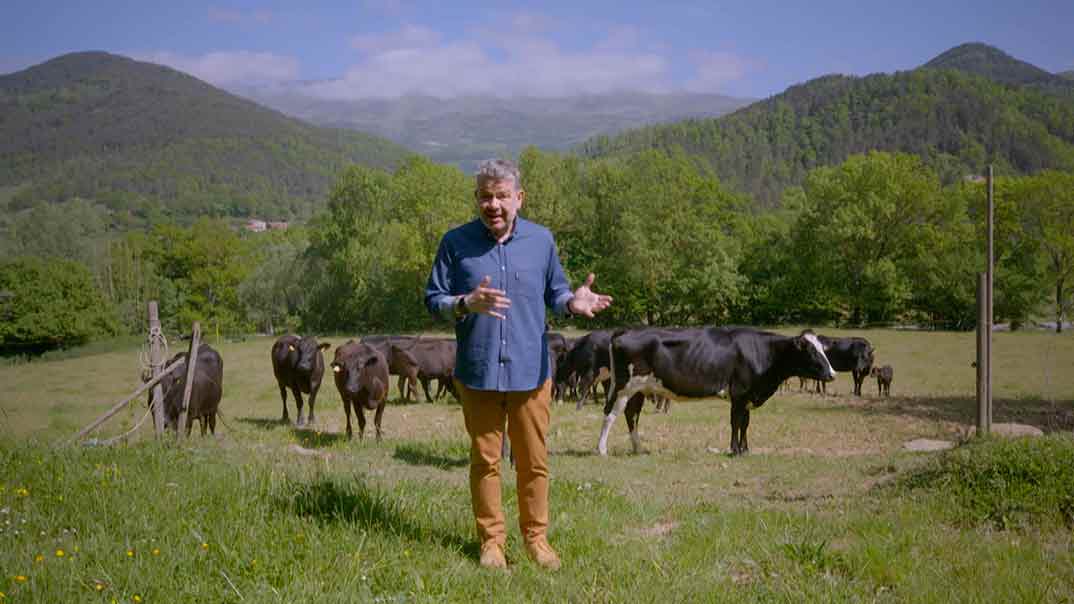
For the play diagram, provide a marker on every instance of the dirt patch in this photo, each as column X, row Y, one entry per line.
column 659, row 530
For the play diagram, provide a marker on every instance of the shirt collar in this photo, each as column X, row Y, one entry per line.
column 518, row 229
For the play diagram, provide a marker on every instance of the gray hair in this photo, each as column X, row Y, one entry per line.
column 498, row 169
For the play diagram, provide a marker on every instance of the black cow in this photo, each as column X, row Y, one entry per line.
column 298, row 364
column 558, row 347
column 362, row 380
column 883, row 377
column 848, row 354
column 700, row 363
column 432, row 359
column 398, row 363
column 586, row 362
column 204, row 393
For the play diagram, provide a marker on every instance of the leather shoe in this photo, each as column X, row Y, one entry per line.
column 540, row 552
column 492, row 555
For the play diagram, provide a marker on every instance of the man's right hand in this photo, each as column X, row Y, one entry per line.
column 487, row 300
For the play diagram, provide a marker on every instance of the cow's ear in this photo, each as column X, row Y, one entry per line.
column 373, row 360
column 324, row 346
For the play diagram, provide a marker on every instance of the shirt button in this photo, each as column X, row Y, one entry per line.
column 503, row 341
column 501, row 363
column 503, row 268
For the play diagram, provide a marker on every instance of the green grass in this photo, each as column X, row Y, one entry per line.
column 818, row 512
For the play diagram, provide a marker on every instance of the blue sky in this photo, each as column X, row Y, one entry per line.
column 365, row 48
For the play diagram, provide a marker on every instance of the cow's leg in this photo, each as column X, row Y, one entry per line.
column 585, row 382
column 609, row 419
column 203, row 423
column 347, row 413
column 298, row 403
column 740, row 419
column 313, row 398
column 283, row 398
column 744, row 425
column 376, row 419
column 425, row 388
column 359, row 410
column 879, row 388
column 633, row 414
column 212, row 424
column 401, row 386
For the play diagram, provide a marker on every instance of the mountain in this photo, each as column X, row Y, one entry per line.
column 141, row 137
column 465, row 130
column 1066, row 75
column 992, row 63
column 956, row 118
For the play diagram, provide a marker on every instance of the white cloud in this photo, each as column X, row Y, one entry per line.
column 237, row 67
column 714, row 70
column 415, row 60
column 239, row 17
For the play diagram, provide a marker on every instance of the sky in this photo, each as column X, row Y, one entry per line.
column 386, row 48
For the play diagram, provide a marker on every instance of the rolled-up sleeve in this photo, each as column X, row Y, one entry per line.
column 557, row 292
column 439, row 298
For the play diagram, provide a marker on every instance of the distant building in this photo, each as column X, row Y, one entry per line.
column 974, row 178
column 278, row 225
column 256, row 226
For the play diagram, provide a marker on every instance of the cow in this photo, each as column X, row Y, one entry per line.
column 586, row 362
column 848, row 354
column 558, row 347
column 298, row 364
column 399, row 364
column 433, row 358
column 361, row 375
column 746, row 363
column 205, row 393
column 883, row 377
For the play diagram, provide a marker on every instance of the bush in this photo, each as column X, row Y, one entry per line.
column 1008, row 483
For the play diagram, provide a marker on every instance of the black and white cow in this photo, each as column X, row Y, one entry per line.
column 849, row 354
column 746, row 363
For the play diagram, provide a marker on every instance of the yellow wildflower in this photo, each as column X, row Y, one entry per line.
column 205, row 546
column 60, row 553
column 98, row 586
column 39, row 558
column 136, row 598
column 156, row 551
column 20, row 578
column 22, row 492
column 130, row 553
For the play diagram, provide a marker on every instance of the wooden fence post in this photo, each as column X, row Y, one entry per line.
column 156, row 364
column 192, row 362
column 984, row 413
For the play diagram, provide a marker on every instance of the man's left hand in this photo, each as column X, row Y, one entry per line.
column 586, row 302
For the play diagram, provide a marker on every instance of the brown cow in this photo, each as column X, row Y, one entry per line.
column 883, row 377
column 298, row 364
column 394, row 350
column 362, row 380
column 204, row 394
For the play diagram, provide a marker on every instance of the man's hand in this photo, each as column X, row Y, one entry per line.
column 486, row 300
column 586, row 302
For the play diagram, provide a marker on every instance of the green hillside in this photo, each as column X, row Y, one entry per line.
column 140, row 137
column 958, row 121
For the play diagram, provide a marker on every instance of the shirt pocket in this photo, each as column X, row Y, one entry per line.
column 528, row 284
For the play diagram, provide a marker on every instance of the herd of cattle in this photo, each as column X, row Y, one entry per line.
column 743, row 364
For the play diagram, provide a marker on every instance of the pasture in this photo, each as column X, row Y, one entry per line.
column 819, row 511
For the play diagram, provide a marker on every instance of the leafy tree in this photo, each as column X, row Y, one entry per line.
column 1047, row 204
column 50, row 303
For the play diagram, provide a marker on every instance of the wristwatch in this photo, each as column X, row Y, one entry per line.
column 460, row 307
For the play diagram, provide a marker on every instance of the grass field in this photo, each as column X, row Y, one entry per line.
column 817, row 512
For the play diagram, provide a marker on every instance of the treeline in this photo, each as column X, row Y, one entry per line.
column 958, row 122
column 877, row 239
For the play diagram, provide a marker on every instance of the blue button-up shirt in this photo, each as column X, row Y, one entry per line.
column 511, row 354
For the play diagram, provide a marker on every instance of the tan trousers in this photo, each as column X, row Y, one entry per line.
column 527, row 415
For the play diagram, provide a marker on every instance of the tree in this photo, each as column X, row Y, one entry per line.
column 1047, row 204
column 50, row 303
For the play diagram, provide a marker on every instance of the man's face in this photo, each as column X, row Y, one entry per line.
column 497, row 203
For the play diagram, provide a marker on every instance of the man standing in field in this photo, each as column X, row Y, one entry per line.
column 494, row 277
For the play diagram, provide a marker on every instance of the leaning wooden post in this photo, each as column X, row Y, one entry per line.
column 988, row 300
column 984, row 418
column 192, row 357
column 156, row 365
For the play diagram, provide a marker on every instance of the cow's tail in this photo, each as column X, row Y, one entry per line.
column 610, row 394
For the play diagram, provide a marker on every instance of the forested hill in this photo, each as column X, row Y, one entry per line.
column 958, row 121
column 142, row 137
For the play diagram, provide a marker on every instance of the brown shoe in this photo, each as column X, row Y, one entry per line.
column 492, row 555
column 540, row 552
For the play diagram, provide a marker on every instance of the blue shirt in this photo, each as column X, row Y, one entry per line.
column 511, row 354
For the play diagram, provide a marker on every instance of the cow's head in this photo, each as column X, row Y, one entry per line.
column 353, row 367
column 304, row 353
column 811, row 362
column 865, row 360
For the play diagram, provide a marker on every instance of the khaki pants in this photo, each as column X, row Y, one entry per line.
column 527, row 415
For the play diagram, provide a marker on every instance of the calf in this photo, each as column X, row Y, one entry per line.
column 362, row 380
column 883, row 377
column 399, row 363
column 205, row 393
column 746, row 363
column 298, row 364
column 587, row 361
column 848, row 354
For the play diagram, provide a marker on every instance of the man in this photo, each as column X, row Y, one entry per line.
column 494, row 277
